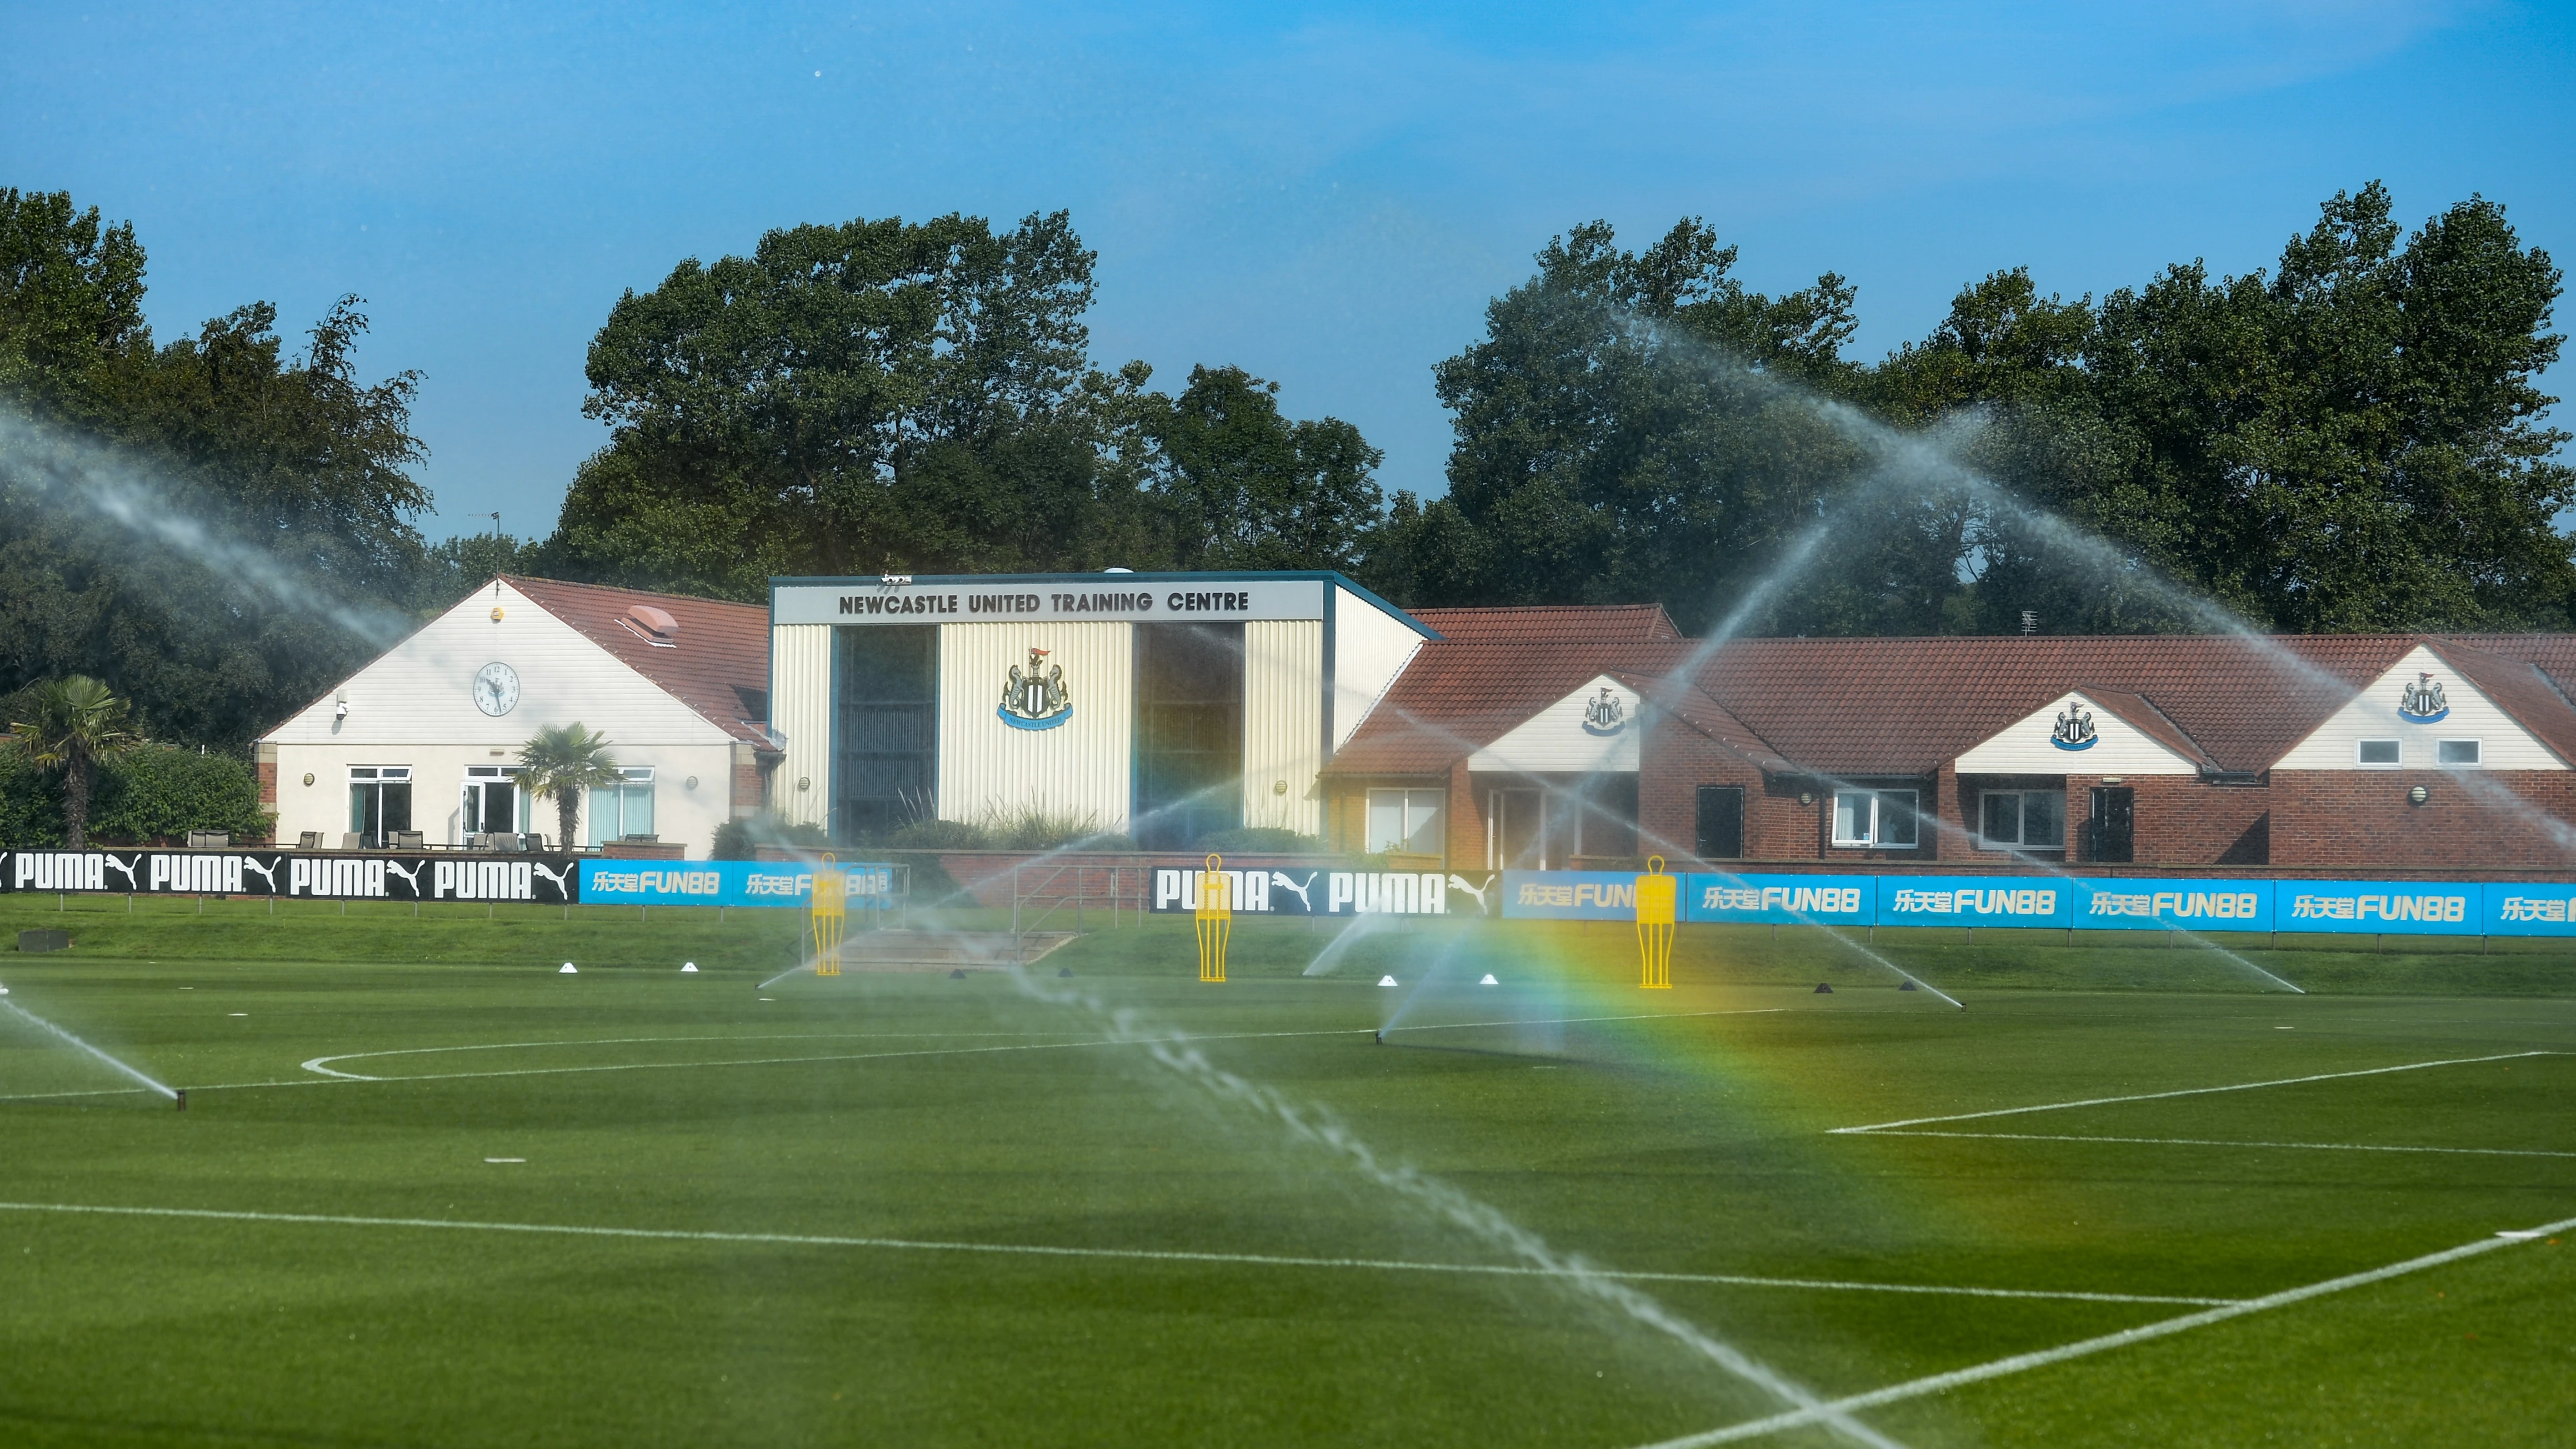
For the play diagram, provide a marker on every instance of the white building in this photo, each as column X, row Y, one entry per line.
column 1167, row 706
column 425, row 739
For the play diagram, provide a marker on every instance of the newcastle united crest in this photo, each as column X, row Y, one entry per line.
column 2422, row 701
column 2074, row 728
column 1036, row 699
column 1604, row 716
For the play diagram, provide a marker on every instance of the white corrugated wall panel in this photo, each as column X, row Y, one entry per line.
column 2372, row 714
column 1080, row 766
column 1370, row 648
column 800, row 706
column 1283, row 723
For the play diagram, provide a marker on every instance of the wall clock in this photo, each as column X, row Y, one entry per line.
column 496, row 689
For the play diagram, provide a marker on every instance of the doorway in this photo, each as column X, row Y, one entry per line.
column 1515, row 830
column 379, row 802
column 491, row 803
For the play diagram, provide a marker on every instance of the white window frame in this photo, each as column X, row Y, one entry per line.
column 479, row 775
column 2365, row 764
column 1420, row 809
column 630, row 776
column 2021, row 820
column 1876, row 829
column 2477, row 753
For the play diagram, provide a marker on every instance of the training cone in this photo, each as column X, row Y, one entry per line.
column 1489, row 980
column 1064, row 973
column 1905, row 986
column 568, row 970
column 1823, row 989
column 1386, row 981
column 688, row 968
column 957, row 975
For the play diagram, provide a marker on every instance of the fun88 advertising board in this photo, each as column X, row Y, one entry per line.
column 1951, row 900
column 2171, row 905
column 2376, row 907
column 1780, row 900
column 728, row 883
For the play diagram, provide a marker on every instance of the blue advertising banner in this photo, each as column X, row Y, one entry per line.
column 1936, row 900
column 1569, row 895
column 1780, row 900
column 2373, row 907
column 2169, row 905
column 726, row 883
column 2516, row 909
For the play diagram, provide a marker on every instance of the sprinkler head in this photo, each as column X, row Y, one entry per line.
column 1906, row 985
column 181, row 1099
column 1379, row 1038
column 957, row 975
column 1064, row 973
column 1824, row 989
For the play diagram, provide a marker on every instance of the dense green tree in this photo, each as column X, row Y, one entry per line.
column 218, row 528
column 2351, row 441
column 918, row 397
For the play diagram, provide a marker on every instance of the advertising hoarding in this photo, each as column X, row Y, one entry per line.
column 728, row 883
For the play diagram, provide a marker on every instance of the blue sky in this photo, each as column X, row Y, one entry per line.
column 1324, row 194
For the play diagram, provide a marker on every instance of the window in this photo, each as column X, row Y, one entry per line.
column 379, row 802
column 493, row 802
column 622, row 809
column 2459, row 752
column 1407, row 820
column 1721, row 822
column 2023, row 819
column 2383, row 753
column 1874, row 817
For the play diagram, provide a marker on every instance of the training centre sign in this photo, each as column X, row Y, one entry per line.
column 547, row 879
column 728, row 883
column 1260, row 892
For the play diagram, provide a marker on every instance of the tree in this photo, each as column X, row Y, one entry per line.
column 918, row 397
column 562, row 761
column 211, row 522
column 74, row 724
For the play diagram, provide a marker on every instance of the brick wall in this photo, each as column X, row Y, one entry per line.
column 2363, row 819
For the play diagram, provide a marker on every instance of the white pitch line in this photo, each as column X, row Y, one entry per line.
column 2218, row 1142
column 2195, row 1091
column 1041, row 1250
column 315, row 1065
column 2019, row 1363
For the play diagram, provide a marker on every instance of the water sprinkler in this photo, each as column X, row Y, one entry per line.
column 1379, row 1036
column 179, row 1098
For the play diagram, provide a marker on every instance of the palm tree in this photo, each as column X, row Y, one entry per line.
column 78, row 722
column 563, row 761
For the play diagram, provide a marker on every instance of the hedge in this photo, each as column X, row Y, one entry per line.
column 157, row 792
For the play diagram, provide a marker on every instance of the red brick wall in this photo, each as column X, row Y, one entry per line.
column 2362, row 819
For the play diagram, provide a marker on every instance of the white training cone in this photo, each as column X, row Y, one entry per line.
column 567, row 970
column 1386, row 981
column 688, row 968
column 1489, row 980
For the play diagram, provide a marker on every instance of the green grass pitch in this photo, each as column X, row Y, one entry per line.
column 430, row 1191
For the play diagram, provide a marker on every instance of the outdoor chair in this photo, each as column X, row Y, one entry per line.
column 309, row 840
column 410, row 840
column 352, row 840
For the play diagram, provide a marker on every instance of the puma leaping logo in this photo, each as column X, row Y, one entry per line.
column 267, row 872
column 1460, row 883
column 1285, row 884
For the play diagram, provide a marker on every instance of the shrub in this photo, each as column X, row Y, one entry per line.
column 154, row 792
column 741, row 839
column 940, row 835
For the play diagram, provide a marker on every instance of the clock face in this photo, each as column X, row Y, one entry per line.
column 496, row 689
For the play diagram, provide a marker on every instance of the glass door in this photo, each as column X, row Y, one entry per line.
column 491, row 804
column 379, row 802
column 1516, row 829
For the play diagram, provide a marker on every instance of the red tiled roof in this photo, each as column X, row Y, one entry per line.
column 1893, row 707
column 1697, row 710
column 1456, row 697
column 1552, row 624
column 718, row 662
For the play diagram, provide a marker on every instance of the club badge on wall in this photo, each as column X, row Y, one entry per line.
column 2422, row 701
column 1035, row 698
column 2074, row 729
column 1605, row 715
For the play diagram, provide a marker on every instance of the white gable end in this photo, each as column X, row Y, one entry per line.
column 2376, row 714
column 421, row 690
column 2031, row 746
column 1568, row 737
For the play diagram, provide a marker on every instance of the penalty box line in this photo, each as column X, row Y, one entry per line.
column 2188, row 1092
column 2023, row 1362
column 1041, row 1250
column 2217, row 1142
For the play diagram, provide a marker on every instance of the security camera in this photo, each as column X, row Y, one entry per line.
column 342, row 712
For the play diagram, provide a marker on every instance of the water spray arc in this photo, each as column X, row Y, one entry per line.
column 120, row 1068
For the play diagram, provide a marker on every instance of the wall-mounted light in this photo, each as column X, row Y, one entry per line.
column 1278, row 787
column 2111, row 779
column 308, row 777
column 804, row 782
column 1806, row 797
column 692, row 784
column 2418, row 795
column 496, row 613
